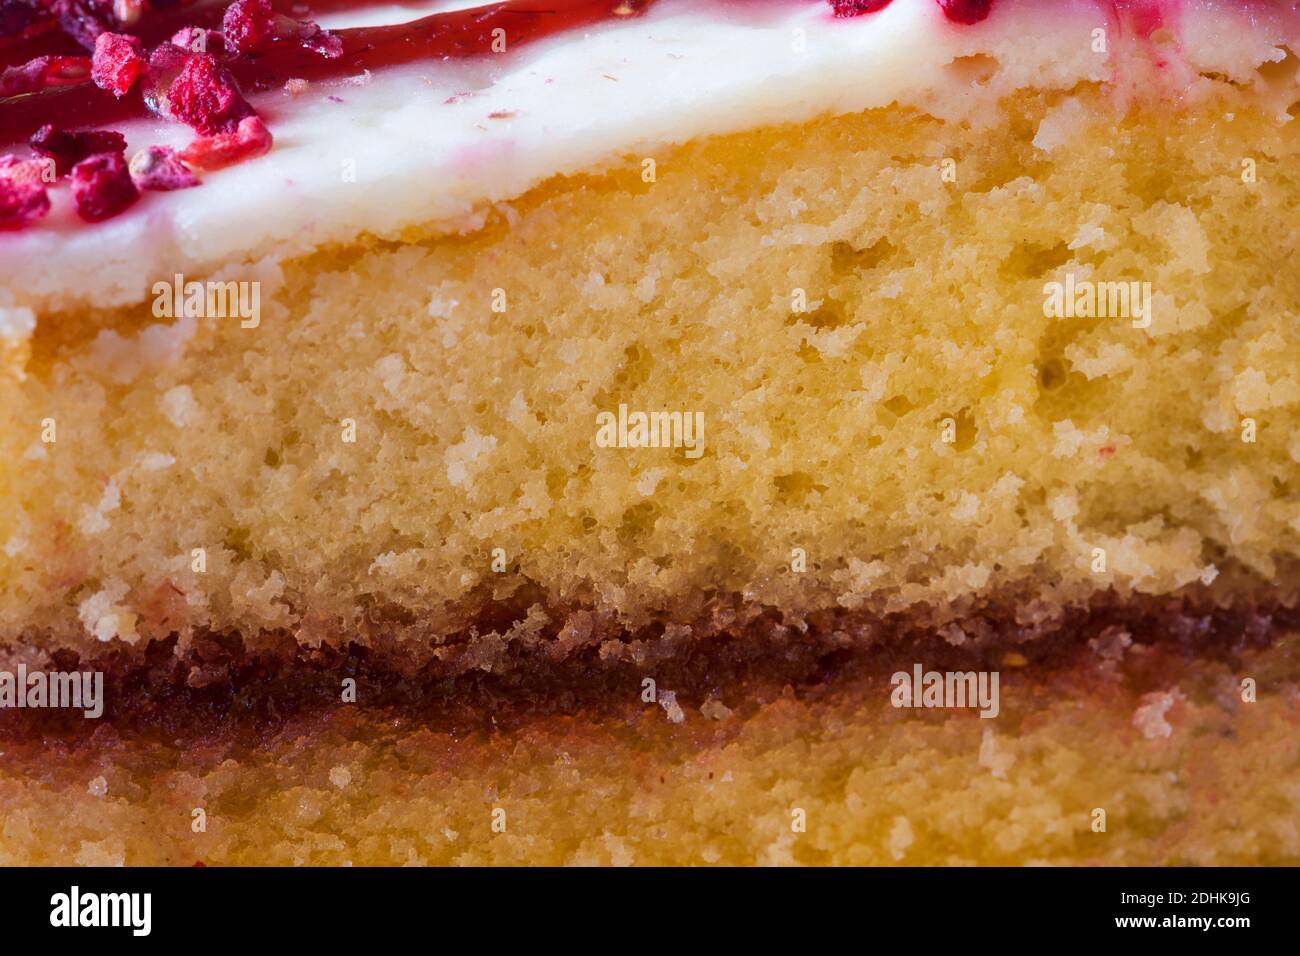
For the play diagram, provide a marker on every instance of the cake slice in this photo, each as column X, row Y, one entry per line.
column 553, row 398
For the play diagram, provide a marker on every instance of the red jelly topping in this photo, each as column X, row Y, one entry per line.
column 43, row 73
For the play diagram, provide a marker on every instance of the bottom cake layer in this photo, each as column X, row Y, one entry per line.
column 1170, row 742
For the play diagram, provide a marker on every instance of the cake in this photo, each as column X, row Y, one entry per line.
column 588, row 431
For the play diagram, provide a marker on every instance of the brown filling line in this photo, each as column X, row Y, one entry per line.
column 224, row 688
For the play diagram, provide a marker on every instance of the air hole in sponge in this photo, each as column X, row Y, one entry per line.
column 964, row 425
column 1052, row 374
column 1030, row 261
column 846, row 258
column 796, row 485
column 829, row 316
column 899, row 405
column 638, row 521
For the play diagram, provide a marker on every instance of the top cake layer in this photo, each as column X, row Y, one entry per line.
column 429, row 145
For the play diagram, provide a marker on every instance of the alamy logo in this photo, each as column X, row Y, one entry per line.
column 179, row 299
column 1085, row 299
column 651, row 430
column 922, row 688
column 75, row 908
column 74, row 690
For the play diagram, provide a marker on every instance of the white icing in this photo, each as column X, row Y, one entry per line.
column 431, row 143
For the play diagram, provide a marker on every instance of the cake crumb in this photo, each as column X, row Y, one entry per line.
column 900, row 838
column 715, row 710
column 179, row 406
column 1111, row 643
column 993, row 759
column 1149, row 718
column 668, row 701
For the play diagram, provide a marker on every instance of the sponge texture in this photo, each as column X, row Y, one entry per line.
column 856, row 310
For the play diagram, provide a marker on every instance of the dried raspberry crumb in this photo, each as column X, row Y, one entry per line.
column 327, row 44
column 27, row 170
column 118, row 62
column 158, row 168
column 21, row 203
column 42, row 73
column 249, row 25
column 204, row 96
column 102, row 187
column 67, row 147
column 252, row 138
column 853, row 8
column 966, row 11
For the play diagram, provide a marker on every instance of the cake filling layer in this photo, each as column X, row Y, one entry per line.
column 518, row 661
column 1185, row 771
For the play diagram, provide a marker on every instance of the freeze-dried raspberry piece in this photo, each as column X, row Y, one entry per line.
column 158, row 168
column 27, row 170
column 118, row 62
column 204, row 96
column 68, row 147
column 966, row 11
column 252, row 138
column 21, row 203
column 102, row 187
column 249, row 25
column 852, row 8
column 43, row 72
